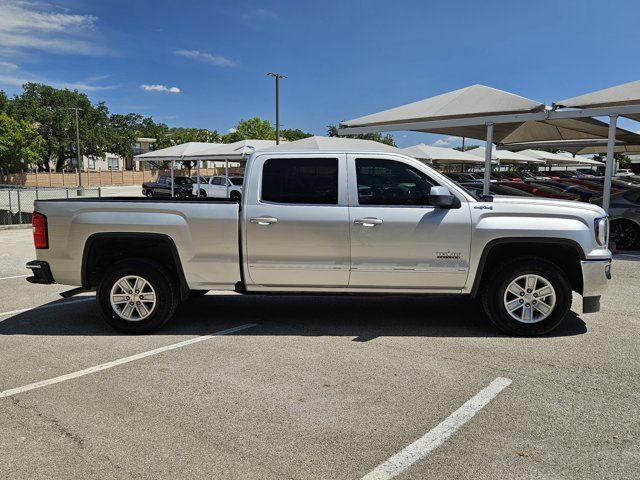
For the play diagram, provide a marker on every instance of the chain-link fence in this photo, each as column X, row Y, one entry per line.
column 16, row 203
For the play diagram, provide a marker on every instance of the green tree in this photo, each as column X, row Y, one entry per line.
column 20, row 143
column 254, row 128
column 387, row 139
column 50, row 109
column 466, row 148
column 292, row 135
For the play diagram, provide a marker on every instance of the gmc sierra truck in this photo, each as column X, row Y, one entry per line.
column 331, row 222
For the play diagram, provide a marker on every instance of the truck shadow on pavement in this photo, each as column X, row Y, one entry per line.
column 359, row 316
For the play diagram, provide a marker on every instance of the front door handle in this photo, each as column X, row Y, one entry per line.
column 263, row 220
column 368, row 221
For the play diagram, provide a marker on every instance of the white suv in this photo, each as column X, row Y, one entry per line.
column 624, row 172
column 218, row 186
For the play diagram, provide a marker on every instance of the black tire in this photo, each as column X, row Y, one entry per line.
column 202, row 194
column 493, row 296
column 162, row 282
column 149, row 193
column 625, row 234
column 235, row 196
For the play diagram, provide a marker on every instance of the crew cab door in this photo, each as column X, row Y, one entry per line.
column 397, row 239
column 296, row 221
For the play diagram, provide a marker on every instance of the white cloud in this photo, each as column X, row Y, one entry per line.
column 445, row 142
column 11, row 74
column 218, row 60
column 256, row 14
column 232, row 130
column 7, row 66
column 38, row 26
column 159, row 88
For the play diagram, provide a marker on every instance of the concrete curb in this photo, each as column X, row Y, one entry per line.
column 15, row 227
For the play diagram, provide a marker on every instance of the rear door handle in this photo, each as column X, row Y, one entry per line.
column 263, row 220
column 368, row 221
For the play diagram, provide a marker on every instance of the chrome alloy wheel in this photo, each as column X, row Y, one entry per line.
column 133, row 298
column 530, row 298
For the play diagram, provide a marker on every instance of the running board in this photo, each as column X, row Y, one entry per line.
column 72, row 292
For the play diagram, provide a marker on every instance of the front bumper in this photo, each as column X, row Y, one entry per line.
column 595, row 279
column 41, row 272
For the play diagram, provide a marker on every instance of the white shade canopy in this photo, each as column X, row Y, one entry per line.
column 336, row 144
column 504, row 156
column 230, row 151
column 620, row 95
column 548, row 157
column 442, row 155
column 175, row 152
column 580, row 160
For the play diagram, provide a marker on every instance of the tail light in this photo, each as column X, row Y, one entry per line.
column 40, row 235
column 534, row 190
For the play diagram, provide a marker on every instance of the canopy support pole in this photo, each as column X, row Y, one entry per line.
column 608, row 173
column 198, row 177
column 488, row 153
column 173, row 191
column 226, row 174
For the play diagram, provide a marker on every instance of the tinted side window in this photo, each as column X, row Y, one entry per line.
column 300, row 180
column 217, row 181
column 389, row 182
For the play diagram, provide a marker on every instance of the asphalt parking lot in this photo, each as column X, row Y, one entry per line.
column 314, row 387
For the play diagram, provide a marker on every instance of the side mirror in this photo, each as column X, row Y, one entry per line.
column 442, row 197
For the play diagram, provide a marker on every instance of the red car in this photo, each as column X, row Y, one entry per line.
column 542, row 190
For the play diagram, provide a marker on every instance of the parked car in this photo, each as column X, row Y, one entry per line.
column 590, row 184
column 203, row 179
column 624, row 172
column 462, row 177
column 304, row 227
column 218, row 186
column 162, row 187
column 542, row 190
column 624, row 216
column 495, row 189
column 583, row 193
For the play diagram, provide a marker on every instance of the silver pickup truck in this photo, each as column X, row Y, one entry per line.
column 332, row 222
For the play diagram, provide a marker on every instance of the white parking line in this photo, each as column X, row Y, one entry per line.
column 115, row 363
column 42, row 307
column 14, row 276
column 436, row 437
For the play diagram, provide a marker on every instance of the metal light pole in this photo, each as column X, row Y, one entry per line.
column 78, row 154
column 277, row 76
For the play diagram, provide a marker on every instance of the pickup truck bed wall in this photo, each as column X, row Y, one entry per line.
column 205, row 233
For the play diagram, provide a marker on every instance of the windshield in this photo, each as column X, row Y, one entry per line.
column 236, row 180
column 183, row 181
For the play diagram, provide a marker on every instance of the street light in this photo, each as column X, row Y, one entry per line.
column 78, row 155
column 277, row 76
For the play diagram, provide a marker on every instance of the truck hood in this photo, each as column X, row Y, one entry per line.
column 531, row 203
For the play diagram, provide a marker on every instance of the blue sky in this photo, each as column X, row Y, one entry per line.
column 204, row 64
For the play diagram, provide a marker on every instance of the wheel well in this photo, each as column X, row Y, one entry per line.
column 103, row 250
column 565, row 255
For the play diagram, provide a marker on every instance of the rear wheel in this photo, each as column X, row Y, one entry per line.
column 625, row 234
column 202, row 194
column 137, row 296
column 527, row 296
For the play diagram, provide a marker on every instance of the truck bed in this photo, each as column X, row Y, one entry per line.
column 204, row 232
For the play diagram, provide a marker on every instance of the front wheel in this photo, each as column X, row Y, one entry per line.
column 625, row 234
column 235, row 196
column 137, row 296
column 149, row 193
column 527, row 296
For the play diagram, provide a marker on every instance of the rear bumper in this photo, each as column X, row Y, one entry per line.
column 595, row 280
column 41, row 272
